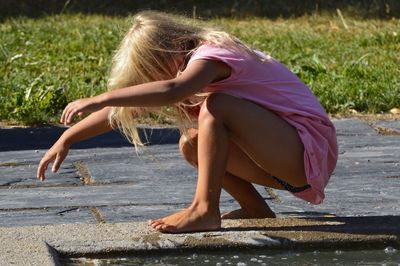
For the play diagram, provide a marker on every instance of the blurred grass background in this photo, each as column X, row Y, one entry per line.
column 383, row 9
column 350, row 62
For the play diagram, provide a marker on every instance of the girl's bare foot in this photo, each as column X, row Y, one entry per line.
column 243, row 214
column 192, row 219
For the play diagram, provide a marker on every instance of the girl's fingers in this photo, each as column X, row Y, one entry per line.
column 64, row 113
column 66, row 116
column 57, row 163
column 42, row 168
column 56, row 154
column 70, row 115
column 78, row 107
column 69, row 112
column 39, row 171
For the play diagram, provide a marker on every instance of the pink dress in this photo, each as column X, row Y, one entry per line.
column 272, row 85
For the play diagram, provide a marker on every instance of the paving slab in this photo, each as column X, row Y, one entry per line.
column 24, row 176
column 106, row 195
column 47, row 216
column 353, row 127
column 158, row 161
column 122, row 176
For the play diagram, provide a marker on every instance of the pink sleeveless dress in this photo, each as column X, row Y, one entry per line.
column 272, row 85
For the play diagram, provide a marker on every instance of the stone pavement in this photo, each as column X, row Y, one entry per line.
column 104, row 181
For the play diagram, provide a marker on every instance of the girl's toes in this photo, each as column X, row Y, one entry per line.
column 165, row 228
column 160, row 227
column 156, row 223
column 152, row 222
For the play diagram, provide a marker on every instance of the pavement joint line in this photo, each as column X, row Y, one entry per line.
column 116, row 183
column 370, row 119
column 97, row 215
column 6, row 186
column 85, row 206
column 105, row 183
column 96, row 206
column 274, row 197
column 383, row 131
column 83, row 172
column 12, row 164
column 69, row 208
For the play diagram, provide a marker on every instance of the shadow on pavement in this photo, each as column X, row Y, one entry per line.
column 370, row 225
column 13, row 139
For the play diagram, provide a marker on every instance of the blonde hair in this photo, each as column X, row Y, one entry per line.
column 148, row 53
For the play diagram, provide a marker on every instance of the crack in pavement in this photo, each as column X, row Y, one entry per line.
column 61, row 213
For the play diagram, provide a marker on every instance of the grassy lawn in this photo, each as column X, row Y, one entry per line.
column 47, row 62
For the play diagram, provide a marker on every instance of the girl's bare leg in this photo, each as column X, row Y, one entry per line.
column 203, row 214
column 271, row 143
column 251, row 202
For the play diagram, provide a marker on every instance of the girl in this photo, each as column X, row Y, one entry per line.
column 256, row 121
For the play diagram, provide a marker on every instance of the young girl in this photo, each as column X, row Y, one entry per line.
column 256, row 121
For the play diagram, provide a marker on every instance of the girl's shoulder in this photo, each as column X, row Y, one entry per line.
column 216, row 51
column 228, row 56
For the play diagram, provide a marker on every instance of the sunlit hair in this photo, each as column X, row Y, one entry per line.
column 148, row 52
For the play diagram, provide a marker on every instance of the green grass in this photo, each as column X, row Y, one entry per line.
column 47, row 62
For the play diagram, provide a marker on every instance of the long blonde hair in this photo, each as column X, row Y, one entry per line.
column 148, row 53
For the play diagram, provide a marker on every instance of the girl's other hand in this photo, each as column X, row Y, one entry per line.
column 57, row 153
column 79, row 107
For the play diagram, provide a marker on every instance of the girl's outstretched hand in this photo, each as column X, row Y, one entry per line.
column 79, row 107
column 57, row 153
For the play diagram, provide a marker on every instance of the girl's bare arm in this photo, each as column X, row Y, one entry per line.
column 93, row 125
column 159, row 93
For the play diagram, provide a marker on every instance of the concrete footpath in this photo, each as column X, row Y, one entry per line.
column 99, row 201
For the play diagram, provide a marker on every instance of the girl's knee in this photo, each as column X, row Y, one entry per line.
column 214, row 105
column 188, row 146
